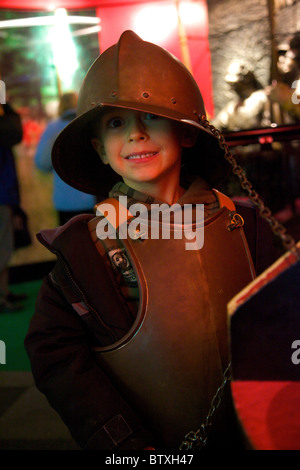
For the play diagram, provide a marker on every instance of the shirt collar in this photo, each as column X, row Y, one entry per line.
column 198, row 192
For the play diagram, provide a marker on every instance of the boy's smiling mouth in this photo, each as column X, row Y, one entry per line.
column 141, row 155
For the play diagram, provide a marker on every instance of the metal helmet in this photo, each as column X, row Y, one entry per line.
column 142, row 76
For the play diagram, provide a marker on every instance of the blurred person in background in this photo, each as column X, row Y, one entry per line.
column 285, row 90
column 67, row 201
column 10, row 135
column 247, row 109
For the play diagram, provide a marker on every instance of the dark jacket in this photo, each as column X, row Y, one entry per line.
column 75, row 313
column 10, row 135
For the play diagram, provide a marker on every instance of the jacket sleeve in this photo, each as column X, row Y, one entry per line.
column 11, row 131
column 42, row 156
column 64, row 370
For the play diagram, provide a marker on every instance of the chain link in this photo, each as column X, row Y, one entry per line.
column 199, row 438
column 277, row 228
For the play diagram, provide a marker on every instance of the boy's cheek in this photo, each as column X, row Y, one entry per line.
column 98, row 146
column 189, row 137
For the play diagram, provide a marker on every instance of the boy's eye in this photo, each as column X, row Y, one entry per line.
column 151, row 116
column 115, row 122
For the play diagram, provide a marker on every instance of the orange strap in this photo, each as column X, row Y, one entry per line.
column 117, row 217
column 224, row 200
column 121, row 214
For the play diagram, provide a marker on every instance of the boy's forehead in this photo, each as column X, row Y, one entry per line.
column 111, row 110
column 116, row 110
column 102, row 112
column 105, row 113
column 120, row 111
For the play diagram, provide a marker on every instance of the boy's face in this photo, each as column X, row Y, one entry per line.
column 140, row 147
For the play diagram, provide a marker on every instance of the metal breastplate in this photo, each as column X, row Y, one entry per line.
column 171, row 362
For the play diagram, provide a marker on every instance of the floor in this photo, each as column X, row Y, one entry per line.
column 26, row 420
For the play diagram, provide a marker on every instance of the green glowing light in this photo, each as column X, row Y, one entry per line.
column 64, row 50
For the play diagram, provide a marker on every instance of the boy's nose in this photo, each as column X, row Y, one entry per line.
column 137, row 131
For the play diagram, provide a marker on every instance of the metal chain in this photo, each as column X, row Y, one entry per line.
column 277, row 228
column 198, row 438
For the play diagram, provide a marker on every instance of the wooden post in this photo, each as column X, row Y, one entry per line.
column 183, row 40
column 58, row 82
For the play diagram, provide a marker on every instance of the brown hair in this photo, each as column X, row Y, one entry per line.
column 67, row 101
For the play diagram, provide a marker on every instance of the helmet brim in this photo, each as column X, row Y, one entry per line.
column 78, row 164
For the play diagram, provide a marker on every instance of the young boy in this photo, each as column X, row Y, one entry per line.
column 129, row 341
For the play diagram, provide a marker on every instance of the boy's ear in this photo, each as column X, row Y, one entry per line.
column 189, row 136
column 98, row 146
